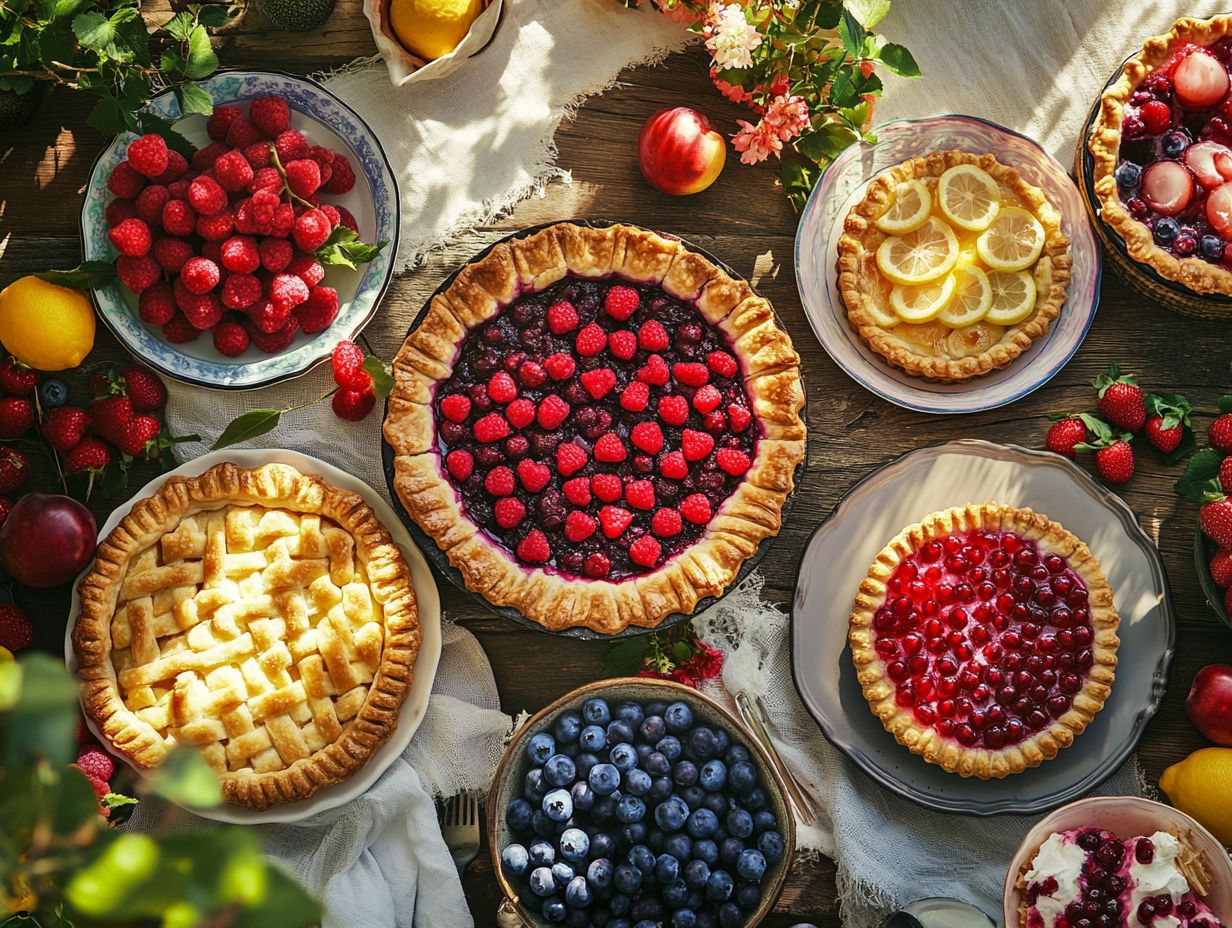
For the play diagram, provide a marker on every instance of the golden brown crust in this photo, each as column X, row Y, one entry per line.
column 858, row 275
column 770, row 366
column 1104, row 143
column 926, row 741
column 276, row 487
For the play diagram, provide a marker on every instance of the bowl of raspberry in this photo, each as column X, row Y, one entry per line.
column 638, row 801
column 244, row 256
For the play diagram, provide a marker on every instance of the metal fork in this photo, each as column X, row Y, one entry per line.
column 460, row 827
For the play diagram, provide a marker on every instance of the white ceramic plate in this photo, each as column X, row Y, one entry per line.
column 843, row 184
column 1126, row 817
column 876, row 509
column 426, row 595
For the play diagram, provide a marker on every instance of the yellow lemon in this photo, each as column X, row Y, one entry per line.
column 1201, row 786
column 969, row 197
column 1012, row 297
column 909, row 210
column 972, row 298
column 49, row 328
column 432, row 28
column 919, row 256
column 922, row 303
column 1012, row 242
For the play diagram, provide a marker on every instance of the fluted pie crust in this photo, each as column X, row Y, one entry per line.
column 260, row 614
column 1104, row 143
column 751, row 514
column 860, row 282
column 925, row 741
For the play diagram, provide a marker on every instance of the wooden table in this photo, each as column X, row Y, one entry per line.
column 745, row 220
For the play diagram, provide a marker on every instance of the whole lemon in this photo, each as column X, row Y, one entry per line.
column 432, row 28
column 49, row 328
column 1201, row 786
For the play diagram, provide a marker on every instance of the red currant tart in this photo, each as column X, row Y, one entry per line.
column 596, row 425
column 984, row 638
column 1162, row 149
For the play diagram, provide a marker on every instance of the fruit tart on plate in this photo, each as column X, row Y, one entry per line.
column 952, row 265
column 984, row 638
column 596, row 425
column 1162, row 149
column 259, row 614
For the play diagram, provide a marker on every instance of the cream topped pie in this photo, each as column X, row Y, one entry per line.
column 259, row 614
column 984, row 638
column 951, row 265
column 597, row 426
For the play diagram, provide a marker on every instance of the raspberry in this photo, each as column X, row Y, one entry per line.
column 303, row 176
column 273, row 342
column 248, row 223
column 598, row 383
column 532, row 475
column 119, row 210
column 520, row 413
column 259, row 159
column 490, row 428
column 311, row 230
column 559, row 366
column 614, row 520
column 268, row 316
column 90, row 454
column 455, row 407
column 204, row 314
column 216, row 228
column 230, row 338
column 240, row 290
column 553, row 410
column 621, row 302
column 347, row 361
column 156, row 304
column 137, row 273
column 264, row 202
column 242, row 133
column 288, row 290
column 577, row 491
column 674, row 409
column 623, row 344
column 178, row 331
column 200, row 275
column 284, row 221
column 266, row 179
column 233, row 171
column 172, row 253
column 460, row 464
column 607, row 487
column 570, row 458
column 240, row 254
column 331, row 213
column 270, row 114
column 220, row 121
column 65, row 426
column 509, row 511
column 179, row 218
column 150, row 203
column 733, row 461
column 648, row 437
column 652, row 336
column 347, row 219
column 696, row 509
column 290, row 145
column 562, row 317
column 275, row 254
column 579, row 526
column 590, row 341
column 666, row 523
column 307, row 269
column 597, row 565
column 499, row 482
column 722, row 363
column 125, row 181
column 353, row 405
column 502, row 389
column 96, row 764
column 645, row 551
column 739, row 417
column 206, row 197
column 131, row 237
column 715, row 422
column 696, row 445
column 655, row 371
column 691, row 373
column 16, row 632
column 212, row 250
column 342, row 180
column 322, row 155
column 610, row 449
column 640, row 494
column 148, row 155
column 707, row 399
column 204, row 158
column 531, row 374
column 177, row 167
column 318, row 312
column 534, row 548
column 635, row 397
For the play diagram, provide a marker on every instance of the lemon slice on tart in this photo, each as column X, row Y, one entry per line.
column 909, row 209
column 972, row 298
column 968, row 197
column 1012, row 242
column 919, row 256
column 922, row 303
column 1013, row 297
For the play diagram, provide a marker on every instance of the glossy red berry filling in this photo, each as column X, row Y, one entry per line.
column 985, row 637
column 595, row 427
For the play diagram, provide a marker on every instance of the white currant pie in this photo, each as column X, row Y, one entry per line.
column 984, row 638
column 258, row 614
column 597, row 426
column 952, row 265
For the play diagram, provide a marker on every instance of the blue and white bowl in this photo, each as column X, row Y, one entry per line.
column 324, row 120
column 843, row 184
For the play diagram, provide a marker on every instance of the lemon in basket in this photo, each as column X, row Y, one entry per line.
column 433, row 28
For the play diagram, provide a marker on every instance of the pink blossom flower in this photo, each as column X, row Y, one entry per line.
column 733, row 38
column 756, row 143
column 733, row 92
column 677, row 12
column 788, row 116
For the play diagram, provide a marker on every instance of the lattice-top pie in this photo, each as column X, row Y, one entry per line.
column 262, row 615
column 952, row 264
column 985, row 639
column 596, row 425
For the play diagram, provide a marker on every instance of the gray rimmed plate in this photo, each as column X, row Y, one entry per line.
column 836, row 559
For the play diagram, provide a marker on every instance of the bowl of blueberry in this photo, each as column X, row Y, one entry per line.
column 638, row 802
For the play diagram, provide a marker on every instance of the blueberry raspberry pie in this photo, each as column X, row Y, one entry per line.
column 596, row 425
column 985, row 639
column 952, row 265
column 1162, row 149
column 259, row 614
column 1090, row 876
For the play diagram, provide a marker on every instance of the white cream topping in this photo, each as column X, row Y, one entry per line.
column 1058, row 857
column 1158, row 878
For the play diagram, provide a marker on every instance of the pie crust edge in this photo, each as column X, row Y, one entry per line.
column 927, row 742
column 751, row 514
column 276, row 486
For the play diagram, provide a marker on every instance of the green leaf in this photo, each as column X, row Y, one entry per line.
column 868, row 12
column 624, row 658
column 825, row 142
column 851, row 33
column 248, row 425
column 898, row 60
column 843, row 90
column 108, row 117
column 115, row 800
column 88, row 275
column 286, row 905
column 214, row 15
column 73, row 803
column 166, row 128
column 856, row 116
column 202, row 61
column 382, row 380
column 180, row 26
column 1225, row 403
column 194, row 100
column 1201, row 476
column 343, row 247
column 93, row 30
column 185, row 778
column 44, row 715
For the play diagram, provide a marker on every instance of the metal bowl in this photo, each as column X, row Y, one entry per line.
column 511, row 771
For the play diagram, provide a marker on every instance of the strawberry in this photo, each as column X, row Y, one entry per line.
column 16, row 632
column 1220, row 433
column 1221, row 568
column 110, row 414
column 137, row 434
column 90, row 456
column 1064, row 435
column 534, row 548
column 1215, row 520
column 16, row 379
column 614, row 520
column 1121, row 401
column 1167, row 421
column 1115, row 462
column 579, row 526
column 645, row 551
column 14, row 468
column 1164, row 438
column 65, row 426
column 16, row 417
column 144, row 390
column 1225, row 475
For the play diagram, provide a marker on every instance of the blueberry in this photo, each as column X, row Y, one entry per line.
column 559, row 770
column 748, row 897
column 716, row 803
column 770, row 843
column 702, row 823
column 518, row 814
column 593, row 738
column 656, row 707
column 652, row 729
column 739, row 823
column 1166, row 230
column 543, row 826
column 596, row 711
column 584, row 762
column 574, row 844
column 707, row 919
column 627, row 879
column 577, row 893
column 554, row 910
column 647, row 909
column 735, row 754
column 619, row 731
column 540, row 747
column 568, row 727
column 679, row 845
column 670, row 815
column 630, row 712
column 669, row 747
column 756, row 800
column 623, row 757
column 684, row 918
column 542, row 882
column 1127, row 175
column 730, row 915
column 666, row 869
column 704, row 743
column 684, row 773
column 570, row 751
column 1174, row 143
column 655, row 838
column 577, row 918
column 53, row 393
column 678, row 718
column 534, row 787
column 602, row 845
column 634, row 833
column 558, row 805
column 713, row 775
column 719, row 886
column 619, row 905
column 583, row 796
column 693, row 796
column 706, row 850
column 657, row 764
column 1211, row 247
column 660, row 789
column 630, row 809
column 642, row 858
column 643, row 752
column 604, row 809
column 637, row 782
column 722, row 741
column 742, row 777
column 764, row 820
column 562, row 873
column 515, row 860
column 751, row 865
column 604, row 779
column 675, row 893
column 542, row 854
column 599, row 873
column 729, row 850
column 696, row 873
